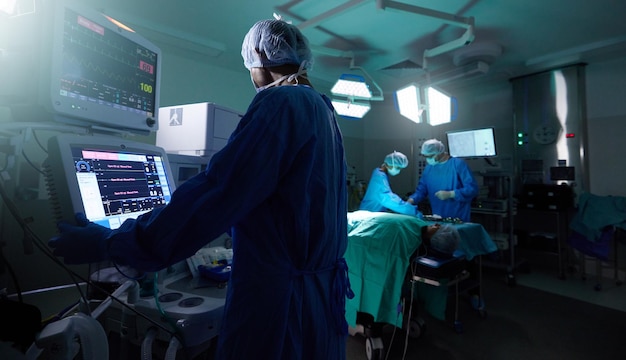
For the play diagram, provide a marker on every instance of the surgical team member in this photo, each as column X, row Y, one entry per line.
column 447, row 182
column 280, row 186
column 378, row 196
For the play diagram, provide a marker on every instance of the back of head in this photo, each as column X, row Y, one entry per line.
column 446, row 240
column 275, row 42
column 432, row 147
column 397, row 159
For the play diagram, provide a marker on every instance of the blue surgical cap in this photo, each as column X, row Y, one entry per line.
column 446, row 239
column 280, row 43
column 397, row 159
column 432, row 147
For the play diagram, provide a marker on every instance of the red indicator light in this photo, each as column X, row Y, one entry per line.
column 570, row 135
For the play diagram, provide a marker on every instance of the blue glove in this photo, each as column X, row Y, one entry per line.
column 80, row 244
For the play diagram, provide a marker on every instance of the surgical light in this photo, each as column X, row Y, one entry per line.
column 8, row 6
column 439, row 106
column 352, row 85
column 408, row 103
column 350, row 108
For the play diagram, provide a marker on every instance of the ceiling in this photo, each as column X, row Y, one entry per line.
column 388, row 39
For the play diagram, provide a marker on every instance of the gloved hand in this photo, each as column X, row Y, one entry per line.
column 80, row 244
column 444, row 195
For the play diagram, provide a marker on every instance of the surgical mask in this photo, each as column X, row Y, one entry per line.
column 274, row 83
column 431, row 160
column 290, row 78
column 393, row 171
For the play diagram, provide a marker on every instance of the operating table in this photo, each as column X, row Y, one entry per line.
column 381, row 247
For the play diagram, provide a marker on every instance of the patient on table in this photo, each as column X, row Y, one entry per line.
column 442, row 240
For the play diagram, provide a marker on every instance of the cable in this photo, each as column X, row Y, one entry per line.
column 28, row 232
column 393, row 334
column 16, row 283
column 39, row 142
column 46, row 251
column 31, row 163
column 167, row 318
column 406, row 339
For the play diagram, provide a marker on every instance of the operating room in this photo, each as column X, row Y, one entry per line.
column 553, row 105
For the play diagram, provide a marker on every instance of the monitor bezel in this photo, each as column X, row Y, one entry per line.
column 60, row 171
column 85, row 112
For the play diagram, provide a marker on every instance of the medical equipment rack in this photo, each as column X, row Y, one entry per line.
column 502, row 217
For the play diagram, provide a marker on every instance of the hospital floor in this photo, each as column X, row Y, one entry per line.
column 604, row 290
column 541, row 316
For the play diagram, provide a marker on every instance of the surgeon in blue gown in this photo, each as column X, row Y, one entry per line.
column 379, row 196
column 447, row 182
column 279, row 186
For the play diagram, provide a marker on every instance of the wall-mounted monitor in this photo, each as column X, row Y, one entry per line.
column 472, row 143
column 107, row 178
column 72, row 64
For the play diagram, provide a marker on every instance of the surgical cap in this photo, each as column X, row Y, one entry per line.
column 397, row 159
column 280, row 42
column 446, row 239
column 432, row 147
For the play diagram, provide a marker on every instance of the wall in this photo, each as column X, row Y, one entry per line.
column 606, row 123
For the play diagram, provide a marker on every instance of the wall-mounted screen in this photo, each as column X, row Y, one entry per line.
column 472, row 143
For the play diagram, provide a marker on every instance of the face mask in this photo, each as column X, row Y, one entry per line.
column 261, row 88
column 431, row 161
column 291, row 77
column 393, row 171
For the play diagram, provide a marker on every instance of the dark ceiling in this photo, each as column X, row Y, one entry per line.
column 389, row 39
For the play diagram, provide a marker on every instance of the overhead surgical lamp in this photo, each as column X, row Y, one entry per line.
column 409, row 104
column 351, row 85
column 437, row 103
column 8, row 6
column 356, row 86
column 350, row 108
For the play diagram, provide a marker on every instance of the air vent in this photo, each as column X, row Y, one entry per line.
column 405, row 64
column 403, row 68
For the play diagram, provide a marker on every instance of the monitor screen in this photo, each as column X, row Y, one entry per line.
column 107, row 178
column 85, row 68
column 472, row 143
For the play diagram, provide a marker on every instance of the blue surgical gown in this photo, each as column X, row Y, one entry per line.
column 379, row 197
column 280, row 187
column 453, row 174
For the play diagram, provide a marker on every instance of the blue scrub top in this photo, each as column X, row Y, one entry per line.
column 379, row 197
column 453, row 174
column 280, row 187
